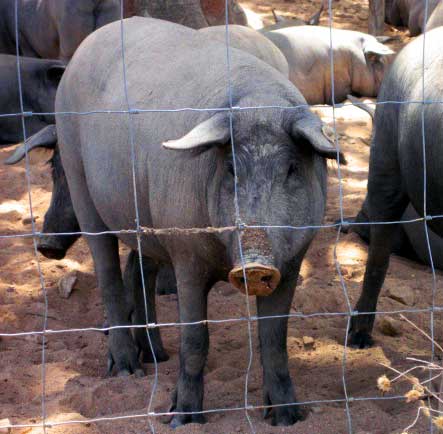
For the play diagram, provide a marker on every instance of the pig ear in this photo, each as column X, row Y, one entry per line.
column 373, row 50
column 214, row 131
column 45, row 138
column 319, row 135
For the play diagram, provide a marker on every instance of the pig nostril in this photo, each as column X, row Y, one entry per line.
column 266, row 279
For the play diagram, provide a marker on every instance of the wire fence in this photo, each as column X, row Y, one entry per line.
column 238, row 229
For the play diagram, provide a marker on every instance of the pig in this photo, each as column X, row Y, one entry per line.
column 184, row 174
column 252, row 42
column 52, row 29
column 436, row 18
column 40, row 78
column 360, row 61
column 396, row 164
column 409, row 13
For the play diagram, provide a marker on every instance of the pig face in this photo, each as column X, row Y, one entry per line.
column 280, row 181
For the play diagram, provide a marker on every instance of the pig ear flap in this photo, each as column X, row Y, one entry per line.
column 374, row 51
column 214, row 131
column 320, row 136
column 45, row 138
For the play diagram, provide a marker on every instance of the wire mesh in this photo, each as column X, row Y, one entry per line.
column 239, row 227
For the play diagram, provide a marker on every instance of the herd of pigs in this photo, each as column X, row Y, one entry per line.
column 217, row 168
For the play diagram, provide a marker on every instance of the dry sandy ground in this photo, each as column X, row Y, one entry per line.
column 76, row 383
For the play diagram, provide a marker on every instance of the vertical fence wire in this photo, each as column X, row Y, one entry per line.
column 340, row 192
column 137, row 214
column 238, row 220
column 31, row 212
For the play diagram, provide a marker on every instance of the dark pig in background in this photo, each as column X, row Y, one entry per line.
column 396, row 163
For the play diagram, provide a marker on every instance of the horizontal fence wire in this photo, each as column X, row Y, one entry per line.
column 239, row 228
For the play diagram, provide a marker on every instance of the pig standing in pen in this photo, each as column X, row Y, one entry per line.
column 397, row 163
column 190, row 183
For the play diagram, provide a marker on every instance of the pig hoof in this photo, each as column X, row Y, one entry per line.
column 123, row 355
column 182, row 419
column 361, row 340
column 285, row 416
column 281, row 415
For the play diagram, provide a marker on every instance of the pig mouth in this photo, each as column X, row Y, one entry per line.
column 261, row 280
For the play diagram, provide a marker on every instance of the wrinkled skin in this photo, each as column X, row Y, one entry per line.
column 408, row 13
column 252, row 42
column 359, row 61
column 281, row 172
column 53, row 29
column 396, row 162
column 40, row 79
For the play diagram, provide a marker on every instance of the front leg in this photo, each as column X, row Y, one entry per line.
column 193, row 287
column 277, row 384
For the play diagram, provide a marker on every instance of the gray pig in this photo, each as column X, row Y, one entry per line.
column 396, row 164
column 189, row 182
column 360, row 61
column 408, row 13
column 40, row 79
column 52, row 28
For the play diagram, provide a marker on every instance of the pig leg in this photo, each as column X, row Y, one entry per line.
column 193, row 288
column 277, row 384
column 104, row 249
column 387, row 202
column 133, row 282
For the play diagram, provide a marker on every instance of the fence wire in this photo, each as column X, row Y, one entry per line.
column 240, row 226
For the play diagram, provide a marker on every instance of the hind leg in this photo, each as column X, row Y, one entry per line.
column 104, row 249
column 386, row 202
column 133, row 281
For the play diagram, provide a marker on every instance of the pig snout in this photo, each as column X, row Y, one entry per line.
column 261, row 279
column 55, row 247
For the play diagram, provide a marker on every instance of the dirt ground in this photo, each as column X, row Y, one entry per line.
column 77, row 386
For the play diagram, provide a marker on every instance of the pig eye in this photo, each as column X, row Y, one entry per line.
column 231, row 170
